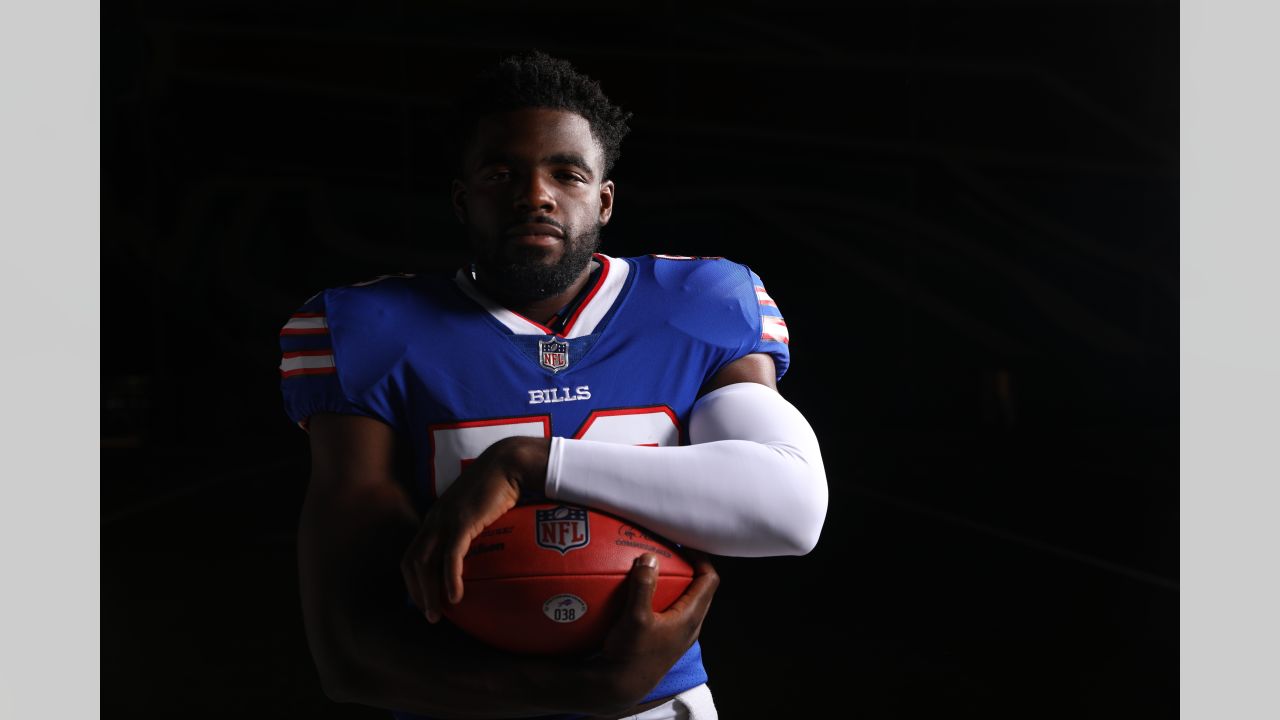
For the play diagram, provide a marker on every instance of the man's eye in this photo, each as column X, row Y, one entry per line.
column 571, row 177
column 500, row 175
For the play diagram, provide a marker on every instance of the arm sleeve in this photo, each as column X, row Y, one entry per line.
column 751, row 484
column 309, row 379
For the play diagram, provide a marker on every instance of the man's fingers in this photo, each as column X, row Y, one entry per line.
column 453, row 574
column 697, row 597
column 412, row 570
column 433, row 581
column 703, row 588
column 430, row 607
column 700, row 561
column 642, row 582
column 426, row 568
column 410, row 577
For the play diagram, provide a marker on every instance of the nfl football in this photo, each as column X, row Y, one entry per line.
column 548, row 578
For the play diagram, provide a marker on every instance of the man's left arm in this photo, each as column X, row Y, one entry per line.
column 750, row 484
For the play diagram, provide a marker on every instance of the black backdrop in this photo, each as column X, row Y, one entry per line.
column 966, row 210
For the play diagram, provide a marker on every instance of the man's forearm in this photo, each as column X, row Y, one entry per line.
column 752, row 483
column 374, row 649
column 399, row 661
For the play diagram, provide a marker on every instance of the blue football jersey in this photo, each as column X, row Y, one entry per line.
column 453, row 372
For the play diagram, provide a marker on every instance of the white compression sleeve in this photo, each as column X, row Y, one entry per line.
column 750, row 484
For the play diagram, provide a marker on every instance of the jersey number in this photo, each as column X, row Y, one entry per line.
column 456, row 445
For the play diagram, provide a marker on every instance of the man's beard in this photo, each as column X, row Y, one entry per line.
column 519, row 276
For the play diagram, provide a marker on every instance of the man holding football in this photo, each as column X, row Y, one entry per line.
column 644, row 387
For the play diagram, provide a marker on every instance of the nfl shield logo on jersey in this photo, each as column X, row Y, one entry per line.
column 554, row 354
column 563, row 528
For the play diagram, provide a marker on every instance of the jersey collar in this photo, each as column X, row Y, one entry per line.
column 593, row 310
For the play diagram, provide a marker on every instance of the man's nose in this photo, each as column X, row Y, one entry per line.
column 535, row 194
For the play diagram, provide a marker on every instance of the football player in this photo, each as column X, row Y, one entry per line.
column 644, row 387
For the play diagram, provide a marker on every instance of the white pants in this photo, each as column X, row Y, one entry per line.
column 692, row 704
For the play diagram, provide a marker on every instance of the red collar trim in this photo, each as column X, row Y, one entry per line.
column 591, row 295
column 604, row 274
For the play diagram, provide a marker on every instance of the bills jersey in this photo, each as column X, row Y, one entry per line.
column 452, row 372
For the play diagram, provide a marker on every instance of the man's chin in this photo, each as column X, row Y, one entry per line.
column 533, row 256
column 533, row 271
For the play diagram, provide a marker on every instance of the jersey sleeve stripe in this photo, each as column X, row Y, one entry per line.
column 306, row 324
column 308, row 371
column 774, row 328
column 763, row 298
column 307, row 362
column 774, row 337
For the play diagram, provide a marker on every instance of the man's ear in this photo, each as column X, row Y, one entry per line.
column 458, row 194
column 606, row 201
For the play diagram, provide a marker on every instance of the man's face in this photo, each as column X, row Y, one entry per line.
column 533, row 200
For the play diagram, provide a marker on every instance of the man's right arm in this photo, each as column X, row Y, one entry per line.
column 373, row 649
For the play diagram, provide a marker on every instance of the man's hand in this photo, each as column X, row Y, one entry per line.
column 490, row 486
column 643, row 645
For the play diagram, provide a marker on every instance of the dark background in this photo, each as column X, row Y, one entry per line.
column 966, row 210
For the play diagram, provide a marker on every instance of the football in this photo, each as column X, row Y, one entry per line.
column 548, row 578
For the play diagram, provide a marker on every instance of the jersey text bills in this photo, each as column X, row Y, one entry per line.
column 557, row 395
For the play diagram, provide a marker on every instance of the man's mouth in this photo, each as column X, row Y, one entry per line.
column 536, row 234
column 535, row 240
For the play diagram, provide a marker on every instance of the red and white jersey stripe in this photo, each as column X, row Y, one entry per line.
column 763, row 297
column 307, row 362
column 306, row 324
column 774, row 328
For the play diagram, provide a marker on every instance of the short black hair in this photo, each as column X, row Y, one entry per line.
column 537, row 80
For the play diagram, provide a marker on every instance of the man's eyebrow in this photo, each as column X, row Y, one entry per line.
column 493, row 159
column 562, row 158
column 570, row 159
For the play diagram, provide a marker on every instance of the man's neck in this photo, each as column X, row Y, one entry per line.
column 544, row 309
